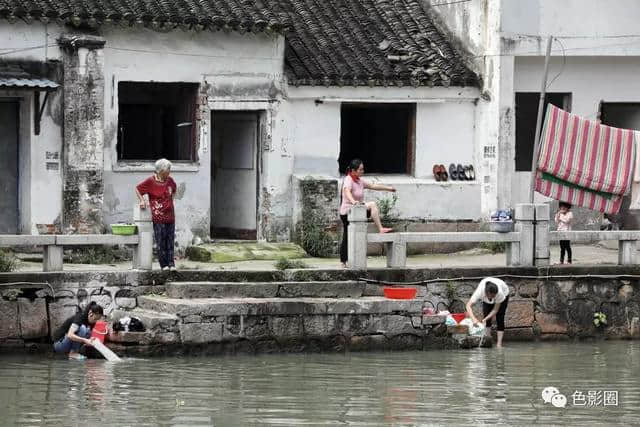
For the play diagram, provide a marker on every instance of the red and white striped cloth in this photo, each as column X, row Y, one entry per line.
column 593, row 162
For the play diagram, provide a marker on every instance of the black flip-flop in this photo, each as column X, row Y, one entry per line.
column 453, row 171
column 472, row 173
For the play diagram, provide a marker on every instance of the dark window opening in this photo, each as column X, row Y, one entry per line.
column 624, row 115
column 382, row 135
column 157, row 120
column 526, row 116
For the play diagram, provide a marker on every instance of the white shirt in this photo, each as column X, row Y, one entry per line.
column 479, row 293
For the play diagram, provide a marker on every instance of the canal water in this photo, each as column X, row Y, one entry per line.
column 463, row 387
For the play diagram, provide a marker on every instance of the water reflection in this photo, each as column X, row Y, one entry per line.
column 497, row 387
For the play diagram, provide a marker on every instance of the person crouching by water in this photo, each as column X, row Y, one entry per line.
column 352, row 193
column 495, row 298
column 76, row 330
column 161, row 189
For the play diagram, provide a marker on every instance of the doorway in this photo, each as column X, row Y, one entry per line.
column 234, row 174
column 9, row 117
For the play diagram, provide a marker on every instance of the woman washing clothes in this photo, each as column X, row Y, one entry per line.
column 352, row 193
column 494, row 294
column 76, row 330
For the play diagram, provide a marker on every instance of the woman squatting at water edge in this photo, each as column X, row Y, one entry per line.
column 352, row 193
column 494, row 294
column 161, row 189
column 76, row 330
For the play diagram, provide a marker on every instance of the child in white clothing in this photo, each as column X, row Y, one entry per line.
column 563, row 221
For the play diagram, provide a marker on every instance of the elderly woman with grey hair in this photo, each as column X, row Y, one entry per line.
column 161, row 189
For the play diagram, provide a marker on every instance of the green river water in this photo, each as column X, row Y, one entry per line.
column 454, row 387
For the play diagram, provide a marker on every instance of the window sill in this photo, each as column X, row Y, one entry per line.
column 133, row 166
column 407, row 179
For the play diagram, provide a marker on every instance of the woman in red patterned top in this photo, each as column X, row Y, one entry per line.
column 161, row 189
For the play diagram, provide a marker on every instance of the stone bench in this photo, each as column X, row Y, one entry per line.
column 396, row 243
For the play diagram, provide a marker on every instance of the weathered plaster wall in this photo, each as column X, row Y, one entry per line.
column 445, row 133
column 40, row 188
column 229, row 67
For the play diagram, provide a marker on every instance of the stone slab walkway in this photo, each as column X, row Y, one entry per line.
column 583, row 254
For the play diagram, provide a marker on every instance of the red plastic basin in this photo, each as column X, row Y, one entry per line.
column 400, row 293
column 458, row 317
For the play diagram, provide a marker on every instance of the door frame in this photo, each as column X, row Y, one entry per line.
column 264, row 111
column 20, row 146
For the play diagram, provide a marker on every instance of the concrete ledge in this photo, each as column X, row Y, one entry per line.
column 209, row 307
column 453, row 237
column 593, row 236
column 96, row 239
column 26, row 240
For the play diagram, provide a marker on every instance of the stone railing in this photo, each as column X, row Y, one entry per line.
column 528, row 245
column 54, row 244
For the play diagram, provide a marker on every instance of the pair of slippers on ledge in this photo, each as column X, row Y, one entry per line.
column 456, row 172
column 462, row 173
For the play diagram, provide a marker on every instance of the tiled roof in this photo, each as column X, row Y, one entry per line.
column 13, row 76
column 240, row 15
column 368, row 42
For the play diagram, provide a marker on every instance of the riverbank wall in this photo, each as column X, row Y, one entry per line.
column 222, row 312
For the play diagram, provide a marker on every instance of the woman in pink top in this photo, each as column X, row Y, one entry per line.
column 353, row 194
column 563, row 221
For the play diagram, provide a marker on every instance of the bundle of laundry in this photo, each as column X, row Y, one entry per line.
column 129, row 324
column 583, row 162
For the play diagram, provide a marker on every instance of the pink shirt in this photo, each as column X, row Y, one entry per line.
column 564, row 221
column 357, row 191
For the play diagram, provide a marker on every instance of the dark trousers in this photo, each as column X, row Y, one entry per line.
column 343, row 245
column 165, row 235
column 344, row 249
column 486, row 309
column 565, row 246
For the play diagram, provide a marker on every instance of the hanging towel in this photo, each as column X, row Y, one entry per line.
column 583, row 162
column 586, row 153
column 635, row 185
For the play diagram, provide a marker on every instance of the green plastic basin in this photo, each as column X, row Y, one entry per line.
column 123, row 229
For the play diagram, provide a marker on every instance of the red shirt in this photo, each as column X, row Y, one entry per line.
column 160, row 198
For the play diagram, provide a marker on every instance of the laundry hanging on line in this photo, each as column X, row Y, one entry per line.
column 583, row 162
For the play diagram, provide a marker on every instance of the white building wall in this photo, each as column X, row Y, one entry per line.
column 445, row 133
column 237, row 68
column 40, row 188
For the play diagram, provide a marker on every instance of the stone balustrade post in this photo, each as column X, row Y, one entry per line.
column 627, row 252
column 143, row 255
column 357, row 237
column 525, row 214
column 542, row 253
column 52, row 258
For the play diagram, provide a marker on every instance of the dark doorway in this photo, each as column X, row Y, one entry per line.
column 234, row 174
column 526, row 116
column 382, row 135
column 9, row 119
column 625, row 115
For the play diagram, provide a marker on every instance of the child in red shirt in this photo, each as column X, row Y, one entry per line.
column 161, row 189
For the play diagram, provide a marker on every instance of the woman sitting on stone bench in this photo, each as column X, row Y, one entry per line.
column 352, row 193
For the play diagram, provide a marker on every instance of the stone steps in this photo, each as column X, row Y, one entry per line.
column 211, row 307
column 310, row 289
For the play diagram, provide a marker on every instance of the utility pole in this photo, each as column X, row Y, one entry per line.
column 536, row 141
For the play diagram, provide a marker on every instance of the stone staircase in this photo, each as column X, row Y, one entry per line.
column 224, row 317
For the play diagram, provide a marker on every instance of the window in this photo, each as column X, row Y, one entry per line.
column 526, row 116
column 156, row 120
column 625, row 115
column 382, row 135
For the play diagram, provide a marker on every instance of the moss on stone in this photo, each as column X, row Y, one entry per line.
column 230, row 252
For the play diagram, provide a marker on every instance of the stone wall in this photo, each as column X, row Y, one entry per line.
column 545, row 304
